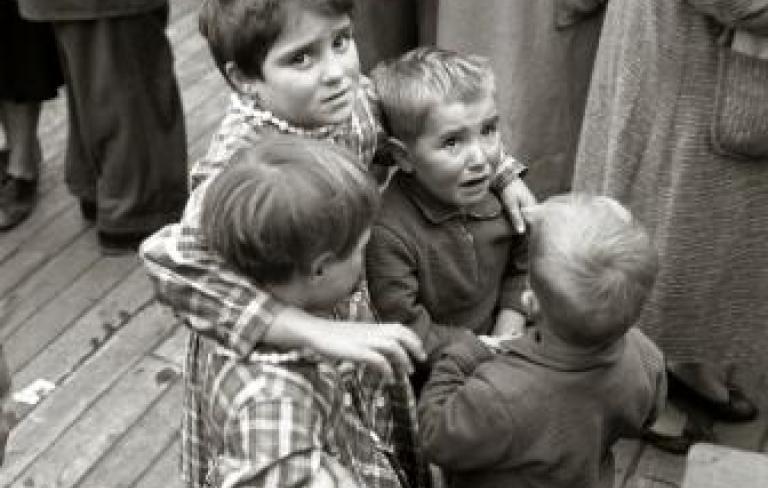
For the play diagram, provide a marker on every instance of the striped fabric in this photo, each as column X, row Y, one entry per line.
column 277, row 420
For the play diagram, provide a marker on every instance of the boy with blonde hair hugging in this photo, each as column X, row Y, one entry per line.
column 294, row 69
column 545, row 409
column 443, row 258
column 294, row 215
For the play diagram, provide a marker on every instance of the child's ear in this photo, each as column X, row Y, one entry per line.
column 400, row 153
column 320, row 265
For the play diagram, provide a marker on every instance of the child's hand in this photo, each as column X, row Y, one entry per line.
column 510, row 324
column 385, row 347
column 516, row 196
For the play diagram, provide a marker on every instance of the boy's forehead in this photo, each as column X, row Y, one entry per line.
column 447, row 116
column 303, row 25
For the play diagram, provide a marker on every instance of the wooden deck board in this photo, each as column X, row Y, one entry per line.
column 65, row 356
column 89, row 325
column 135, row 453
column 48, row 282
column 56, row 413
column 106, row 421
column 165, row 471
column 53, row 319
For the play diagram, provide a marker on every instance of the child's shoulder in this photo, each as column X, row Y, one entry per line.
column 647, row 352
column 271, row 377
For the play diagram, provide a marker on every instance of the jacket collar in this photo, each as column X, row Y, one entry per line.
column 538, row 350
column 437, row 211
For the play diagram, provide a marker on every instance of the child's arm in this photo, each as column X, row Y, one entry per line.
column 394, row 287
column 512, row 190
column 460, row 413
column 216, row 302
column 511, row 319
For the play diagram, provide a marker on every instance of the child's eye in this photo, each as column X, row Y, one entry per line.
column 301, row 59
column 490, row 129
column 341, row 41
column 449, row 142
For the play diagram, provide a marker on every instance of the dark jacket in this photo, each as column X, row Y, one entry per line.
column 536, row 416
column 62, row 10
column 440, row 270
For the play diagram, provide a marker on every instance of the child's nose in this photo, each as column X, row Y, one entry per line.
column 477, row 157
column 333, row 71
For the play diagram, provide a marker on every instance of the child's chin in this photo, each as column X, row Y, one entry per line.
column 472, row 196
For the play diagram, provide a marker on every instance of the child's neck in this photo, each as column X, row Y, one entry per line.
column 295, row 294
column 267, row 116
column 553, row 341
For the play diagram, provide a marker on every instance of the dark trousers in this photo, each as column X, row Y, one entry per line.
column 127, row 144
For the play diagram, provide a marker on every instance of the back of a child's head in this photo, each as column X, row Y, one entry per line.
column 592, row 266
column 283, row 202
column 409, row 86
column 243, row 31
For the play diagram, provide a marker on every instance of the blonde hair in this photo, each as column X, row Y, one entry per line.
column 592, row 266
column 281, row 203
column 411, row 85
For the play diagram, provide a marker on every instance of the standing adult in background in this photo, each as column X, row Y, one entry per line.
column 541, row 52
column 387, row 29
column 126, row 154
column 676, row 127
column 30, row 74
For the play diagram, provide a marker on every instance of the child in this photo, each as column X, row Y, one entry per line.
column 293, row 216
column 443, row 259
column 545, row 410
column 294, row 69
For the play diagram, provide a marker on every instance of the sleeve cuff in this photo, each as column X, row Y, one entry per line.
column 468, row 353
column 508, row 170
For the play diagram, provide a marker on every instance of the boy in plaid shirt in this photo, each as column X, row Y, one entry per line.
column 294, row 216
column 294, row 69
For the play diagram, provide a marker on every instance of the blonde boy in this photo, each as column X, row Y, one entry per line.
column 545, row 409
column 443, row 258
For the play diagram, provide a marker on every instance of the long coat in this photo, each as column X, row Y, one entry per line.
column 648, row 141
column 58, row 10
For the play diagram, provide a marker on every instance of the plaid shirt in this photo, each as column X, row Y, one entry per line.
column 277, row 420
column 214, row 300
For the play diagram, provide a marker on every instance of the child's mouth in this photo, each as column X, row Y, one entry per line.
column 337, row 96
column 480, row 180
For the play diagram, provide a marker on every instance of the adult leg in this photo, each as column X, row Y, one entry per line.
column 18, row 187
column 130, row 121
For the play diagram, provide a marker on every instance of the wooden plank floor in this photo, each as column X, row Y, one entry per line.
column 89, row 325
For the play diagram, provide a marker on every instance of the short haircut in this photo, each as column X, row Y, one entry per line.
column 282, row 203
column 411, row 85
column 243, row 31
column 592, row 266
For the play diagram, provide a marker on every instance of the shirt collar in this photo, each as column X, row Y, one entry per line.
column 249, row 106
column 536, row 349
column 437, row 211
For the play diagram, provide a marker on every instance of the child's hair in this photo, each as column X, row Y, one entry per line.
column 411, row 85
column 592, row 267
column 283, row 202
column 243, row 31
